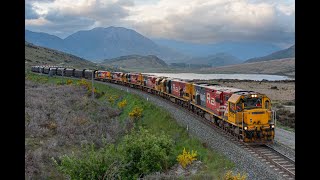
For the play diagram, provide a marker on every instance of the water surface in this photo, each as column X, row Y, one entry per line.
column 256, row 77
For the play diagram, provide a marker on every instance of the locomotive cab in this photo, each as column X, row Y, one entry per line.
column 251, row 114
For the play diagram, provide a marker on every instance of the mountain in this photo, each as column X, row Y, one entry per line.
column 37, row 55
column 241, row 50
column 284, row 67
column 219, row 59
column 286, row 53
column 45, row 40
column 136, row 61
column 104, row 43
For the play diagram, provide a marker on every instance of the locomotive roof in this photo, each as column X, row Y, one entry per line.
column 234, row 98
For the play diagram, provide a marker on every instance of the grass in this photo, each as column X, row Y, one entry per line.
column 285, row 127
column 155, row 119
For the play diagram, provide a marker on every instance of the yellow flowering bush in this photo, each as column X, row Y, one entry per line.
column 69, row 81
column 122, row 104
column 229, row 176
column 186, row 158
column 84, row 83
column 136, row 113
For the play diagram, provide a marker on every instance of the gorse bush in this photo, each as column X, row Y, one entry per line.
column 122, row 104
column 84, row 83
column 230, row 176
column 186, row 158
column 69, row 81
column 136, row 113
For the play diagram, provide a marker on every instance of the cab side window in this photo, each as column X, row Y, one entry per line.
column 266, row 104
column 239, row 107
column 232, row 107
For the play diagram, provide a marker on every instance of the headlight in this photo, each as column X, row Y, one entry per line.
column 272, row 126
column 245, row 128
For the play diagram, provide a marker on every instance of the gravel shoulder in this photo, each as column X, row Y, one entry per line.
column 285, row 137
column 244, row 161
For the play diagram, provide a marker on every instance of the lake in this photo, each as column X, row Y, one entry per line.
column 256, row 77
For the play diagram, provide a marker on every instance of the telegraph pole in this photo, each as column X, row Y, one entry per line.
column 92, row 86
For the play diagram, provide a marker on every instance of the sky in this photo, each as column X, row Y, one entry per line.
column 197, row 21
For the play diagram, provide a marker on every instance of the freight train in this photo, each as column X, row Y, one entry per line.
column 244, row 114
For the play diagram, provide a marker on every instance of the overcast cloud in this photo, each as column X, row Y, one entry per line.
column 200, row 21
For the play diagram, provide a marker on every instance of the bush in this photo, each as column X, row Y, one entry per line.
column 61, row 82
column 186, row 158
column 136, row 113
column 112, row 99
column 139, row 153
column 84, row 83
column 105, row 163
column 69, row 81
column 145, row 153
column 122, row 104
column 229, row 176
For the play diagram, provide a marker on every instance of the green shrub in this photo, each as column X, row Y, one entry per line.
column 139, row 153
column 61, row 82
column 112, row 98
column 104, row 163
column 146, row 153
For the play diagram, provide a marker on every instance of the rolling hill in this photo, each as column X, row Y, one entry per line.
column 242, row 50
column 136, row 61
column 37, row 55
column 285, row 67
column 219, row 59
column 286, row 53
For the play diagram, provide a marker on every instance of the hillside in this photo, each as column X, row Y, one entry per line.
column 219, row 59
column 242, row 50
column 279, row 67
column 37, row 55
column 136, row 61
column 104, row 43
column 44, row 40
column 286, row 53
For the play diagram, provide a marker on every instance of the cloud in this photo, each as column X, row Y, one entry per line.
column 30, row 13
column 194, row 20
column 74, row 15
column 217, row 20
